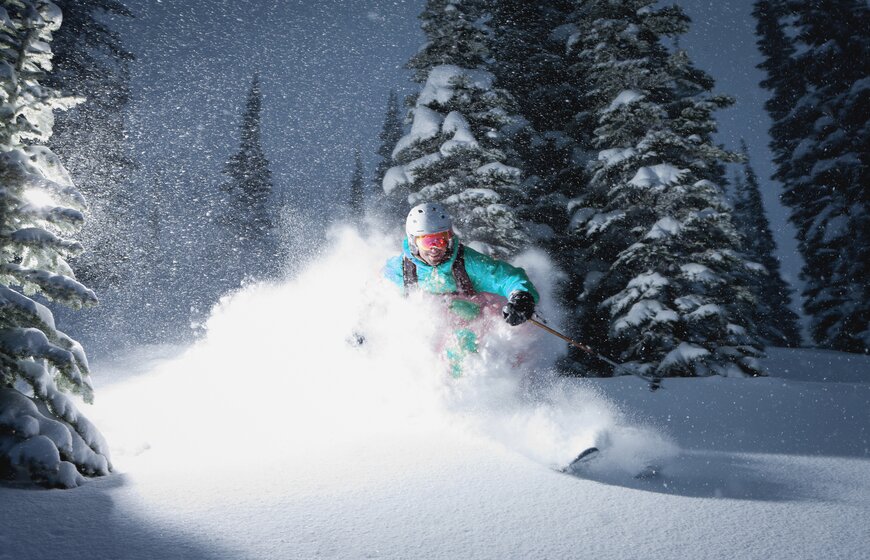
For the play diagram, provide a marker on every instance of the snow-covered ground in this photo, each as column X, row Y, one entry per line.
column 276, row 438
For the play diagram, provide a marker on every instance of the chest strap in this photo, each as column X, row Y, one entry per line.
column 464, row 287
column 409, row 274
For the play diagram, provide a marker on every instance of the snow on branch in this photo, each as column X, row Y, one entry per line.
column 443, row 80
column 612, row 156
column 36, row 169
column 657, row 176
column 649, row 286
column 38, row 237
column 683, row 358
column 475, row 196
column 426, row 125
column 699, row 273
column 625, row 97
column 56, row 287
column 497, row 169
column 24, row 311
column 33, row 344
column 457, row 125
column 665, row 227
column 643, row 312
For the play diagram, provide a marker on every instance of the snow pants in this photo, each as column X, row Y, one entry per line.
column 469, row 319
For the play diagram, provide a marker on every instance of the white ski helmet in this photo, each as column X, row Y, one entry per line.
column 423, row 219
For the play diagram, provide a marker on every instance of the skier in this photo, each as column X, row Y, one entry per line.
column 434, row 260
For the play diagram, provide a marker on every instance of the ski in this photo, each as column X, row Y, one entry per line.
column 584, row 457
column 649, row 472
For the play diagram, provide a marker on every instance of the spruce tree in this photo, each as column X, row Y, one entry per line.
column 529, row 59
column 664, row 287
column 784, row 79
column 245, row 209
column 824, row 170
column 531, row 64
column 392, row 208
column 43, row 436
column 777, row 323
column 357, row 189
column 459, row 150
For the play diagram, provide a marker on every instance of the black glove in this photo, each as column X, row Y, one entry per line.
column 519, row 308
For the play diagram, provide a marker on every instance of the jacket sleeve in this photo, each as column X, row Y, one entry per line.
column 495, row 276
column 393, row 271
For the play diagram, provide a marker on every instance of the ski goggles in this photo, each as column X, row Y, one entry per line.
column 434, row 240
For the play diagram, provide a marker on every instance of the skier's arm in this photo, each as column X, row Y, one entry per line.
column 393, row 271
column 497, row 277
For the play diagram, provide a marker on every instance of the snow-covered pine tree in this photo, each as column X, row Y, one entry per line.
column 246, row 206
column 534, row 63
column 43, row 436
column 357, row 188
column 824, row 171
column 392, row 207
column 459, row 150
column 777, row 323
column 664, row 284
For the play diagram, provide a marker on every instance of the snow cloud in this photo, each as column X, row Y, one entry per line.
column 282, row 372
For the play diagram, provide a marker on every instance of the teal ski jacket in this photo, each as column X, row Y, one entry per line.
column 486, row 273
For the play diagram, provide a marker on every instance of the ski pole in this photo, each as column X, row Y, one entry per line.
column 655, row 383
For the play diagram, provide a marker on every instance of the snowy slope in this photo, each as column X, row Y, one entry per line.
column 275, row 438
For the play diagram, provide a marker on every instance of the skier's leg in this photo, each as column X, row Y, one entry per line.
column 465, row 343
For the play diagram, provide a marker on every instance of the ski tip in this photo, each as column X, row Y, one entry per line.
column 583, row 457
column 586, row 453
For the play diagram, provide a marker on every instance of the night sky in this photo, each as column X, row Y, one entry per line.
column 327, row 67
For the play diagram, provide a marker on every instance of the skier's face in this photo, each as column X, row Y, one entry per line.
column 433, row 257
column 434, row 248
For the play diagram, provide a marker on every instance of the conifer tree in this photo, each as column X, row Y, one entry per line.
column 530, row 63
column 784, row 79
column 664, row 286
column 246, row 206
column 777, row 323
column 822, row 163
column 42, row 434
column 459, row 150
column 392, row 207
column 357, row 188
column 529, row 59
